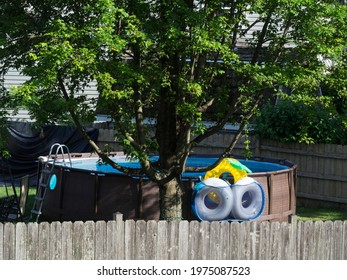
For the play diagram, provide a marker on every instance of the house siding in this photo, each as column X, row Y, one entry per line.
column 14, row 78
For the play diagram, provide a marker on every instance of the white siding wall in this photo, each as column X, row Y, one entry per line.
column 14, row 78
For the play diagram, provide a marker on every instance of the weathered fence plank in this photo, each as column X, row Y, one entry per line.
column 100, row 237
column 204, row 236
column 344, row 240
column 173, row 240
column 183, row 240
column 119, row 237
column 318, row 239
column 9, row 241
column 56, row 240
column 77, row 241
column 254, row 239
column 275, row 241
column 163, row 243
column 67, row 240
column 21, row 241
column 235, row 241
column 338, row 240
column 298, row 238
column 111, row 240
column 215, row 245
column 288, row 241
column 329, row 242
column 129, row 240
column 44, row 241
column 89, row 241
column 140, row 240
column 151, row 240
column 245, row 244
column 33, row 241
column 194, row 231
column 264, row 241
column 224, row 241
column 1, row 241
column 307, row 241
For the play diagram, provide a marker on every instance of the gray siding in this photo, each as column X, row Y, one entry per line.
column 14, row 79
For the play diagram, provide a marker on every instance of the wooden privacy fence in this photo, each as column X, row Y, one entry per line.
column 174, row 240
column 321, row 173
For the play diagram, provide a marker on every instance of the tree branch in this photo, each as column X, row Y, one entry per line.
column 101, row 154
column 218, row 126
column 262, row 35
column 228, row 150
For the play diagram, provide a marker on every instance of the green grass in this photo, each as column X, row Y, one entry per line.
column 320, row 214
column 303, row 213
column 30, row 199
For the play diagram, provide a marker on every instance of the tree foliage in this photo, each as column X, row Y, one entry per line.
column 176, row 62
column 302, row 119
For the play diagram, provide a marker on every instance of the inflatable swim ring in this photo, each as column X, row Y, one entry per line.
column 228, row 165
column 212, row 200
column 248, row 199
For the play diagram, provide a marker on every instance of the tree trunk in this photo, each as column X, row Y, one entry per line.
column 171, row 200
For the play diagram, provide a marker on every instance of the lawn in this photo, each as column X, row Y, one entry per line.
column 30, row 199
column 323, row 214
column 303, row 213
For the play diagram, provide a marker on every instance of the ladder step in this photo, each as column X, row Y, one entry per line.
column 47, row 171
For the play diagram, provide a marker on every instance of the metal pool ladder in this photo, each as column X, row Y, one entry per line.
column 47, row 178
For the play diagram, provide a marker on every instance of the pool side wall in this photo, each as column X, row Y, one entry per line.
column 85, row 195
column 81, row 195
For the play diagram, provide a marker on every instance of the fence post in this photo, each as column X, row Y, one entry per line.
column 118, row 216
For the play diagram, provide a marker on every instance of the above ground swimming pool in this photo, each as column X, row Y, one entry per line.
column 92, row 191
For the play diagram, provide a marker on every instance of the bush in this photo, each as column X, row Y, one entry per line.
column 302, row 119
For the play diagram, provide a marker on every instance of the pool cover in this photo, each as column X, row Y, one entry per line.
column 26, row 144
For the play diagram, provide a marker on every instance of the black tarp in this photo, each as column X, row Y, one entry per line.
column 26, row 144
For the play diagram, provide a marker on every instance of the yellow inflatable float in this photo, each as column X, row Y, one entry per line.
column 229, row 165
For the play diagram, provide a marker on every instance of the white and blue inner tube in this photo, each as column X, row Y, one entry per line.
column 248, row 199
column 213, row 200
